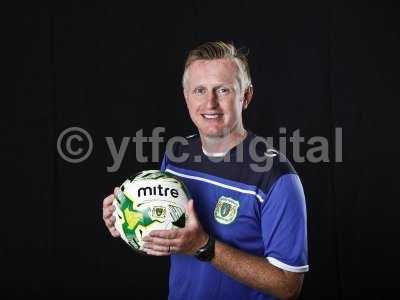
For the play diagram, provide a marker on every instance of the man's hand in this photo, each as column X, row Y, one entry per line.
column 183, row 240
column 108, row 209
column 249, row 269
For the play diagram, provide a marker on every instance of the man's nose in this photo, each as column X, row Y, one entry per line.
column 212, row 100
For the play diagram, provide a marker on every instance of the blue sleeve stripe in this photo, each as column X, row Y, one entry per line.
column 286, row 267
column 213, row 182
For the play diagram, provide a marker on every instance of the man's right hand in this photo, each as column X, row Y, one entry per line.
column 108, row 209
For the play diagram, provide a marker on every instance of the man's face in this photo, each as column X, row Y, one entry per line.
column 213, row 97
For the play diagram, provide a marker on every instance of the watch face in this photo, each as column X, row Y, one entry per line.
column 206, row 253
column 202, row 255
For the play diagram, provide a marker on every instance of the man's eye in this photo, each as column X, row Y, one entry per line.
column 223, row 90
column 199, row 91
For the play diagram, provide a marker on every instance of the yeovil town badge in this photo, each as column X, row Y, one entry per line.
column 226, row 210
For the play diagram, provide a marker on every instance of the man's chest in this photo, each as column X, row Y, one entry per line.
column 231, row 212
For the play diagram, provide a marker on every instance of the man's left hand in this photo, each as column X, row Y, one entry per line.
column 185, row 240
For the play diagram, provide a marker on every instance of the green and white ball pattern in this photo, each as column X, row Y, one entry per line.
column 150, row 200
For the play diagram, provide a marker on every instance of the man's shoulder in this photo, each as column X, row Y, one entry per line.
column 259, row 149
column 179, row 146
column 267, row 161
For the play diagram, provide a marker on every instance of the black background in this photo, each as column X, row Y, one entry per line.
column 114, row 69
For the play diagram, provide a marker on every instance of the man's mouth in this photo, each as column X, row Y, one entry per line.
column 211, row 116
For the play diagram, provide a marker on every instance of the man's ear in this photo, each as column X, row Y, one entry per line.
column 248, row 95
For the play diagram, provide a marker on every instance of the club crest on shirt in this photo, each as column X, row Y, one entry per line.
column 226, row 210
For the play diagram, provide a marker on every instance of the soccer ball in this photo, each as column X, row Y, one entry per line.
column 147, row 201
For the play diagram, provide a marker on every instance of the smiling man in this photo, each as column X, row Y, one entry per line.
column 212, row 90
column 246, row 234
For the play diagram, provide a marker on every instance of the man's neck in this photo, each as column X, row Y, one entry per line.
column 222, row 144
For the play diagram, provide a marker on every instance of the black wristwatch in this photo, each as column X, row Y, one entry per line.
column 206, row 253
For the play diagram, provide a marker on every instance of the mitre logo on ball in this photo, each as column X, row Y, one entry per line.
column 150, row 200
column 157, row 190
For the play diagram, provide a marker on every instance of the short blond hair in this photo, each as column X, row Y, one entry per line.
column 220, row 50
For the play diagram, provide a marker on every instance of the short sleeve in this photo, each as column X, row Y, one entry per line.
column 284, row 225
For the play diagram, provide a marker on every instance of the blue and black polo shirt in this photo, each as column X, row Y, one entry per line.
column 251, row 199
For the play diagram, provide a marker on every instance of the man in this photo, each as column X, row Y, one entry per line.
column 245, row 235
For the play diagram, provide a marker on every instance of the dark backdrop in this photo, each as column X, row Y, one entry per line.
column 114, row 69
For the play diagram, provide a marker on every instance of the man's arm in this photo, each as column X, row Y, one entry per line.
column 257, row 272
column 249, row 269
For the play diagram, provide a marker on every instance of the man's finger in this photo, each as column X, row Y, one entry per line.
column 166, row 234
column 161, row 241
column 157, row 253
column 189, row 206
column 156, row 247
column 110, row 221
column 107, row 212
column 190, row 211
column 114, row 232
column 108, row 200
